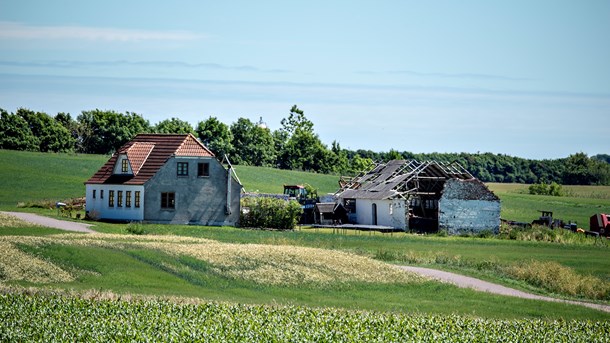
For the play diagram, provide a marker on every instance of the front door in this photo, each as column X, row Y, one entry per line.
column 374, row 211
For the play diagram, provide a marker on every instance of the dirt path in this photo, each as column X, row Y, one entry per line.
column 50, row 222
column 484, row 286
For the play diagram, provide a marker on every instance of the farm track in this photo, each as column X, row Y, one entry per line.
column 456, row 279
column 484, row 286
column 52, row 223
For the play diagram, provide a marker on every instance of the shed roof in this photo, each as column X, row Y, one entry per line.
column 399, row 177
column 147, row 153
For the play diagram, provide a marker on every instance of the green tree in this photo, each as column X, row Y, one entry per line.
column 15, row 133
column 303, row 149
column 102, row 132
column 50, row 134
column 254, row 145
column 216, row 136
column 174, row 125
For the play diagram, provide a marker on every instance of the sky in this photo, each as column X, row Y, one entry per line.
column 523, row 78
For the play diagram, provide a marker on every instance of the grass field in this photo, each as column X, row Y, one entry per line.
column 145, row 270
column 252, row 274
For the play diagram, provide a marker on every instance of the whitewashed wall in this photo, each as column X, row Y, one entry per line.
column 468, row 216
column 103, row 211
column 389, row 212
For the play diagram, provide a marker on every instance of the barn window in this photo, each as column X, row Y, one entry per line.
column 119, row 200
column 125, row 166
column 203, row 169
column 127, row 198
column 137, row 199
column 110, row 198
column 94, row 194
column 183, row 169
column 168, row 200
column 101, row 194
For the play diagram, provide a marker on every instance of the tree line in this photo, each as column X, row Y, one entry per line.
column 295, row 146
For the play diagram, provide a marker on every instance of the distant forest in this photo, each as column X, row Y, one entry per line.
column 295, row 145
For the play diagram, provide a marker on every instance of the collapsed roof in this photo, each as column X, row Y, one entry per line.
column 400, row 179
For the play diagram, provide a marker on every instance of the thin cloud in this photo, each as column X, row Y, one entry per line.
column 118, row 63
column 20, row 31
column 447, row 75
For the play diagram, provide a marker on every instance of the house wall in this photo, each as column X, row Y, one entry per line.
column 468, row 216
column 98, row 206
column 389, row 212
column 198, row 200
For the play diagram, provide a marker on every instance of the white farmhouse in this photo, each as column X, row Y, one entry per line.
column 164, row 178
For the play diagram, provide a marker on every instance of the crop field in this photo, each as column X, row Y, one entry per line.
column 304, row 285
column 70, row 318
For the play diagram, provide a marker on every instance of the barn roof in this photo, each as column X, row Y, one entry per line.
column 147, row 153
column 397, row 178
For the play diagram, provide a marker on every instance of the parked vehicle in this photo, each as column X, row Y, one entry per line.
column 600, row 223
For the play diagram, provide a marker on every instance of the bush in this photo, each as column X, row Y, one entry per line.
column 135, row 229
column 542, row 188
column 270, row 213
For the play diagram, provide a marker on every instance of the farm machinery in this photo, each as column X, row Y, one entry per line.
column 600, row 223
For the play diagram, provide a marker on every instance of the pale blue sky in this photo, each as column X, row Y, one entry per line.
column 525, row 78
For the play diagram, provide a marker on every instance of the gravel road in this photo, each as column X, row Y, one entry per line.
column 50, row 222
column 484, row 286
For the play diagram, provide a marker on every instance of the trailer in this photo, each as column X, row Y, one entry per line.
column 600, row 223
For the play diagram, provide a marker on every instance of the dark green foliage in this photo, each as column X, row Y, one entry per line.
column 253, row 145
column 294, row 146
column 553, row 189
column 270, row 213
column 135, row 229
column 15, row 133
column 216, row 136
column 173, row 125
column 103, row 132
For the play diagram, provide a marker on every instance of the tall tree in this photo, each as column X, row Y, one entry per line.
column 102, row 132
column 254, row 145
column 15, row 133
column 50, row 134
column 303, row 149
column 173, row 125
column 216, row 136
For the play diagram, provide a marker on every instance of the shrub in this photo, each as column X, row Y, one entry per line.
column 542, row 188
column 135, row 229
column 270, row 213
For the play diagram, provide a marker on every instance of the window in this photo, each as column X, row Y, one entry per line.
column 101, row 194
column 110, row 198
column 183, row 168
column 137, row 199
column 119, row 199
column 168, row 200
column 94, row 194
column 127, row 198
column 125, row 166
column 203, row 169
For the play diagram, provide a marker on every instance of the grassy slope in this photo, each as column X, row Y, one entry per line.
column 142, row 271
column 21, row 180
column 584, row 202
column 28, row 176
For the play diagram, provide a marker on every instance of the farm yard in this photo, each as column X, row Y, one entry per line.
column 195, row 273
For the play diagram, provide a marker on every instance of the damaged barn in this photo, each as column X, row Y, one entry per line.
column 420, row 197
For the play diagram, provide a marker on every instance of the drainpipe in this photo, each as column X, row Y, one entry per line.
column 229, row 190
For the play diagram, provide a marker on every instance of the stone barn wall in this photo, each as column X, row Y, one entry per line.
column 468, row 206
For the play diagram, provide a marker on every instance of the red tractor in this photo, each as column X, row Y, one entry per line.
column 600, row 223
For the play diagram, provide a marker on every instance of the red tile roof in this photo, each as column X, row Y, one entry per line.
column 147, row 153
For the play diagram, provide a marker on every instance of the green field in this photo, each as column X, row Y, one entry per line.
column 131, row 269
